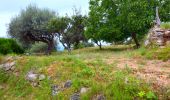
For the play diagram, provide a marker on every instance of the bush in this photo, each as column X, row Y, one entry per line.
column 9, row 46
column 38, row 47
column 83, row 45
column 165, row 25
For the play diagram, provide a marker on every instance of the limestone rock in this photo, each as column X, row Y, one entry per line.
column 8, row 66
column 68, row 84
column 31, row 76
column 101, row 97
column 83, row 90
column 42, row 77
column 75, row 96
column 55, row 89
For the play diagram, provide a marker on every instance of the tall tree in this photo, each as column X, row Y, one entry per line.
column 71, row 29
column 30, row 26
column 116, row 20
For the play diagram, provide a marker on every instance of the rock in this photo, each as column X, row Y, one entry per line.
column 75, row 96
column 31, row 76
column 55, row 89
column 35, row 84
column 68, row 84
column 167, row 33
column 83, row 90
column 101, row 97
column 42, row 77
column 147, row 42
column 9, row 66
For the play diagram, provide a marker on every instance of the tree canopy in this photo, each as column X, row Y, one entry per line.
column 31, row 25
column 116, row 20
column 71, row 29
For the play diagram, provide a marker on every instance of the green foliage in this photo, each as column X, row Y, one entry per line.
column 3, row 76
column 30, row 25
column 9, row 46
column 70, row 28
column 151, row 96
column 38, row 47
column 83, row 45
column 153, row 53
column 115, row 20
column 165, row 25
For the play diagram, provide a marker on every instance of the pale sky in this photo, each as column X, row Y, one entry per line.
column 10, row 8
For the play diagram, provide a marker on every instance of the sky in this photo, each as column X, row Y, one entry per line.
column 10, row 8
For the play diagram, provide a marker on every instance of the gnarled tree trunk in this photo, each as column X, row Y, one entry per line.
column 135, row 40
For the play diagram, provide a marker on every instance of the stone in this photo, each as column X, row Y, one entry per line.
column 75, row 96
column 42, row 77
column 31, row 76
column 167, row 33
column 35, row 84
column 68, row 84
column 55, row 89
column 147, row 42
column 83, row 90
column 8, row 66
column 101, row 97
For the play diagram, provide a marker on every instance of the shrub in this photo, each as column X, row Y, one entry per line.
column 83, row 45
column 9, row 46
column 38, row 47
column 165, row 25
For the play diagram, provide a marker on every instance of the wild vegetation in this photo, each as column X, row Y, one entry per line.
column 114, row 72
column 96, row 70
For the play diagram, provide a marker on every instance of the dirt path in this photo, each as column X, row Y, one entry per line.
column 155, row 72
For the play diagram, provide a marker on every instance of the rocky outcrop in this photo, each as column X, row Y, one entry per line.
column 8, row 64
column 158, row 36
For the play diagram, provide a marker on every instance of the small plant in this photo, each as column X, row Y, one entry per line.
column 151, row 96
column 141, row 94
column 38, row 47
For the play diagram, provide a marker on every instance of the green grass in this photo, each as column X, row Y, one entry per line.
column 165, row 25
column 152, row 53
column 86, row 68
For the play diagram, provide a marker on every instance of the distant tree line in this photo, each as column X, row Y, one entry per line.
column 108, row 20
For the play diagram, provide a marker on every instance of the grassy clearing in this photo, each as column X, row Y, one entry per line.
column 86, row 68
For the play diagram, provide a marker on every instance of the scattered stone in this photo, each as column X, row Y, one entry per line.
column 31, row 76
column 83, row 90
column 8, row 66
column 42, row 77
column 101, row 97
column 75, row 96
column 68, row 84
column 35, row 84
column 55, row 89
